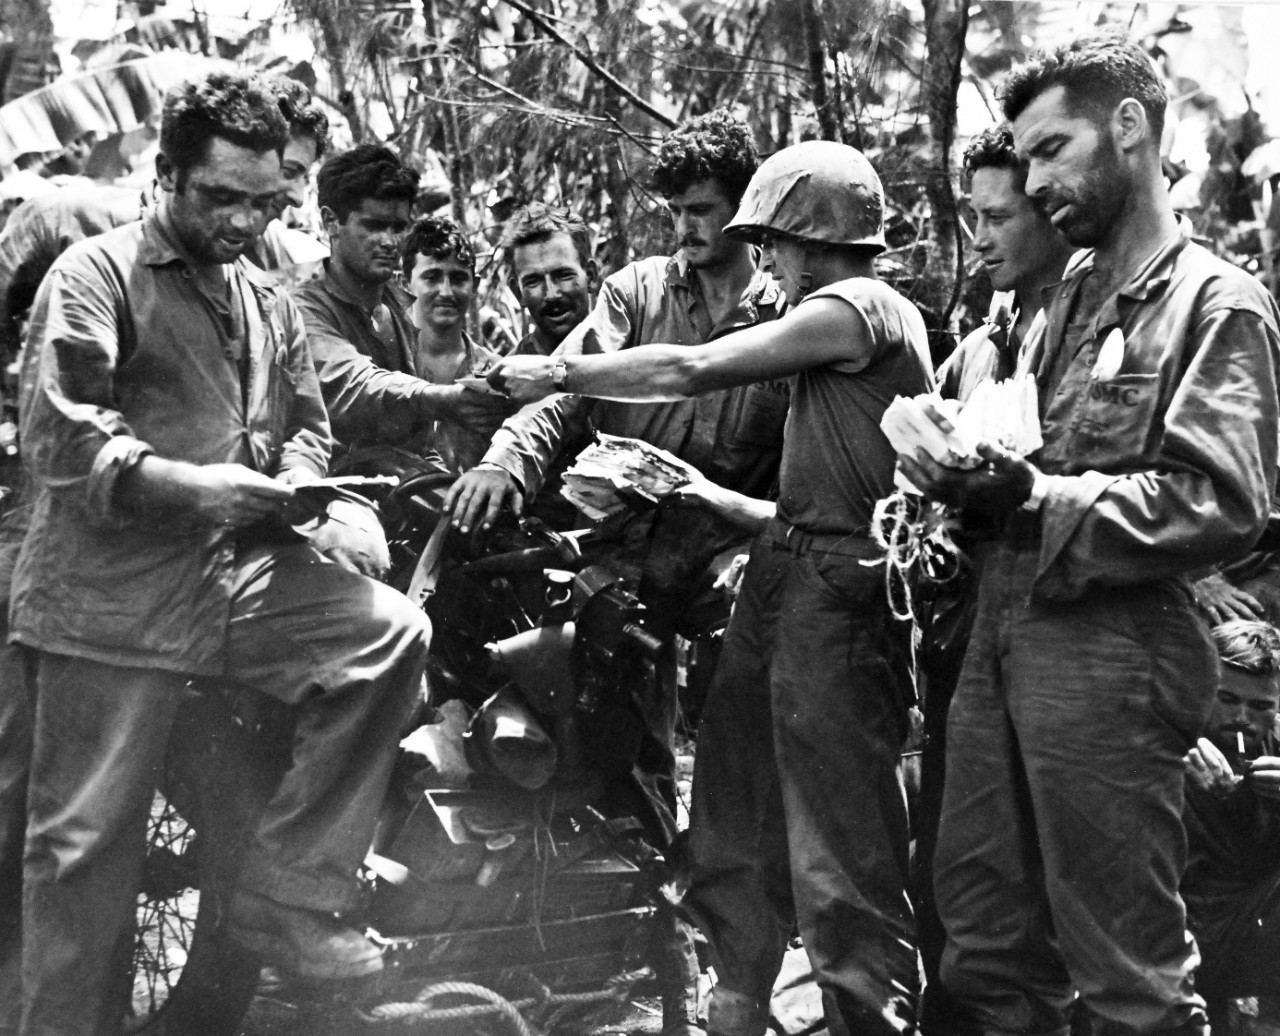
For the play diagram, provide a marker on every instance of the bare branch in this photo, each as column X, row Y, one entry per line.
column 610, row 80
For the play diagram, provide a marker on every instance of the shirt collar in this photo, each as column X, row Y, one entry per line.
column 762, row 290
column 1151, row 276
column 160, row 247
column 392, row 295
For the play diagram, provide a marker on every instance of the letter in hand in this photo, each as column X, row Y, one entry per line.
column 221, row 494
column 526, row 379
column 478, row 496
column 1000, row 485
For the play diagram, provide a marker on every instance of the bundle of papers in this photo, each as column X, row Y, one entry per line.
column 617, row 473
column 1001, row 412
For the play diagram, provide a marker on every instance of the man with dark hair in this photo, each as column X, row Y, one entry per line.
column 799, row 818
column 31, row 241
column 439, row 267
column 358, row 320
column 160, row 553
column 552, row 272
column 1021, row 254
column 1232, row 815
column 1090, row 672
column 710, row 288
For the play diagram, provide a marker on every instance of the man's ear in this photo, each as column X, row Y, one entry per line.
column 166, row 173
column 1130, row 126
column 593, row 275
column 514, row 285
column 329, row 220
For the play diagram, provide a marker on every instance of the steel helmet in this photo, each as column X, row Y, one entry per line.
column 818, row 191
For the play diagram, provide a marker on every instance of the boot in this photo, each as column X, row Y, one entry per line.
column 308, row 944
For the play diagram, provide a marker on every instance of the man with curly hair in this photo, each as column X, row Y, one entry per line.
column 1021, row 254
column 439, row 267
column 359, row 324
column 1090, row 673
column 710, row 288
column 172, row 411
column 32, row 239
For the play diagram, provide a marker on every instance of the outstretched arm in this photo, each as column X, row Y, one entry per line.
column 824, row 330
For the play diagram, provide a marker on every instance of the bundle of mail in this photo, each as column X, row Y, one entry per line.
column 1001, row 412
column 617, row 473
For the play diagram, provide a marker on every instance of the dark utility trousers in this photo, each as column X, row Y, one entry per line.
column 348, row 653
column 1061, row 845
column 799, row 816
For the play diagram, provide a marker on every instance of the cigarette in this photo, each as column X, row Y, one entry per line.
column 1240, row 742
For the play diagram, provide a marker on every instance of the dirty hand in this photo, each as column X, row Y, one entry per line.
column 1222, row 602
column 478, row 496
column 1001, row 484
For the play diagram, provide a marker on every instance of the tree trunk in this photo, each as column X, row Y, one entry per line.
column 619, row 244
column 816, row 51
column 945, row 25
column 459, row 184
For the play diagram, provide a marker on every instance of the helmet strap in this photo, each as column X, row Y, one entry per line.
column 806, row 278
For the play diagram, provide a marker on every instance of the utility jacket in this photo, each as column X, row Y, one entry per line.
column 134, row 357
column 1162, row 457
column 733, row 436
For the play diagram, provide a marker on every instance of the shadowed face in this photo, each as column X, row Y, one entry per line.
column 1074, row 169
column 367, row 243
column 700, row 215
column 220, row 205
column 1246, row 703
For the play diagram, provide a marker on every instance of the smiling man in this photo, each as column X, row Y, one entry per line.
column 552, row 273
column 1090, row 673
column 358, row 320
column 439, row 267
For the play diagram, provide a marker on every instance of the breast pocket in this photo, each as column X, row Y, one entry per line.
column 761, row 415
column 1117, row 419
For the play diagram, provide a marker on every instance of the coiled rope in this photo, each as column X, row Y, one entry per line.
column 422, row 1008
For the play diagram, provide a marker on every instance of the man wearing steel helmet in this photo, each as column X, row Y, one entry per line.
column 798, row 812
column 1089, row 673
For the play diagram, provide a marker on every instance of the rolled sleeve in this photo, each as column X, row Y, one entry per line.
column 75, row 440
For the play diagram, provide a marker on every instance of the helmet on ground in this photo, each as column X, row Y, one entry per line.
column 817, row 191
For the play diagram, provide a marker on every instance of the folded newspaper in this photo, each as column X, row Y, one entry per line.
column 1002, row 412
column 616, row 474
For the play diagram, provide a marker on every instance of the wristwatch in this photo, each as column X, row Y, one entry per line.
column 559, row 375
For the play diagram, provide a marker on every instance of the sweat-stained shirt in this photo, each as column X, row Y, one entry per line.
column 133, row 355
column 1166, row 463
column 365, row 363
column 837, row 462
column 732, row 436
